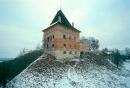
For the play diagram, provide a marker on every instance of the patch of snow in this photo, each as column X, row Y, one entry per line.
column 91, row 77
column 111, row 62
column 73, row 76
column 77, row 60
column 127, row 66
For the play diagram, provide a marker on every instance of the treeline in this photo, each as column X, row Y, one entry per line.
column 9, row 69
column 115, row 55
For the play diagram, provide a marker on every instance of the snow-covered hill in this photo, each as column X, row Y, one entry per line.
column 83, row 74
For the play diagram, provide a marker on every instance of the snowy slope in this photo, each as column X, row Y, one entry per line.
column 69, row 75
column 127, row 66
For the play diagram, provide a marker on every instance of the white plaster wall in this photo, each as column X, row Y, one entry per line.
column 61, row 55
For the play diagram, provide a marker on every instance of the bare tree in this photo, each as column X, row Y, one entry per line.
column 105, row 51
column 117, row 60
column 91, row 42
column 23, row 51
column 86, row 42
column 94, row 43
column 127, row 53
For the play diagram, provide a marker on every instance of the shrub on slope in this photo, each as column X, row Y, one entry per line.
column 10, row 69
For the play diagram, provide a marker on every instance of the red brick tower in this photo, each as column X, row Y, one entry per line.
column 61, row 39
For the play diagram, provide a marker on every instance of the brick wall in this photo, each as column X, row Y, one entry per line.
column 60, row 38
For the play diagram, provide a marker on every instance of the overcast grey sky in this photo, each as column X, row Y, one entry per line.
column 21, row 22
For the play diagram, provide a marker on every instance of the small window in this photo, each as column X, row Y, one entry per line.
column 47, row 46
column 64, row 36
column 64, row 45
column 70, row 52
column 52, row 45
column 48, row 39
column 64, row 52
column 53, row 36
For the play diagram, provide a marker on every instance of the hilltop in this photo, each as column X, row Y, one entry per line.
column 11, row 68
column 96, row 71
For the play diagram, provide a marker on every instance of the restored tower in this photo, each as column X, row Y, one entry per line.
column 61, row 39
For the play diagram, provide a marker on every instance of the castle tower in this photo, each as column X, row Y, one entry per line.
column 61, row 39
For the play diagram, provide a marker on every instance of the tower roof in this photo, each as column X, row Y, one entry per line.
column 62, row 20
column 61, row 17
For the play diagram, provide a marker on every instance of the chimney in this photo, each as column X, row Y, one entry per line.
column 72, row 24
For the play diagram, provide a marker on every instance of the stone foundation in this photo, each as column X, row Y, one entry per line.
column 60, row 56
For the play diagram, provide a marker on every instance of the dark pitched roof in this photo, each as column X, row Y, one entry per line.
column 64, row 20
